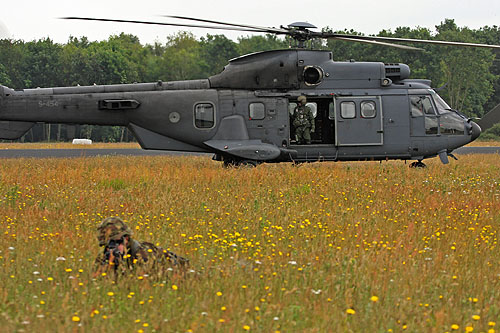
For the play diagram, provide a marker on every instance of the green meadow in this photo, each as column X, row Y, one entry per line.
column 320, row 247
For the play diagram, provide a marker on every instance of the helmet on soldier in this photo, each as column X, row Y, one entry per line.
column 302, row 99
column 112, row 228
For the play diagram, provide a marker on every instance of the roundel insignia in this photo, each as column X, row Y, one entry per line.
column 174, row 117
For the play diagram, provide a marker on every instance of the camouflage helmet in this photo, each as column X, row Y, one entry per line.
column 302, row 99
column 112, row 228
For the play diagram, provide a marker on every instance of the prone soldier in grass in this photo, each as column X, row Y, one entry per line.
column 123, row 253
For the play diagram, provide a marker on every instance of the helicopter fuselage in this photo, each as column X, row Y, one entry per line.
column 363, row 111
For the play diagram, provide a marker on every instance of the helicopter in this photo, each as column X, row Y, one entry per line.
column 362, row 110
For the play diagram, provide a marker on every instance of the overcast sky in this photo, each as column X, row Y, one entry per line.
column 35, row 19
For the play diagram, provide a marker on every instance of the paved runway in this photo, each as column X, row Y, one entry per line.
column 477, row 150
column 86, row 152
column 89, row 152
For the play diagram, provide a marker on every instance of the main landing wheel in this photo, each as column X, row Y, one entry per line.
column 231, row 163
column 418, row 164
column 248, row 163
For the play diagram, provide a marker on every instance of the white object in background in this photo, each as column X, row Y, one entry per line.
column 82, row 141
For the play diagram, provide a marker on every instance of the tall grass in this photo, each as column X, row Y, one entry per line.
column 316, row 247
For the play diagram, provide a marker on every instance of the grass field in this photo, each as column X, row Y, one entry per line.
column 362, row 247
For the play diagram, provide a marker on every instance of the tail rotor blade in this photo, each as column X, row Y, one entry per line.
column 490, row 119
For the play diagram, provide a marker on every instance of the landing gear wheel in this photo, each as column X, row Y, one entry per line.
column 247, row 163
column 232, row 163
column 418, row 164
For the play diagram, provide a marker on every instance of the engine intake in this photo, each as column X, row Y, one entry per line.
column 313, row 75
column 397, row 72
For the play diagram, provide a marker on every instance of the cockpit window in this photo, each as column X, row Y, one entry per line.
column 446, row 120
column 428, row 108
column 442, row 106
column 421, row 105
column 451, row 122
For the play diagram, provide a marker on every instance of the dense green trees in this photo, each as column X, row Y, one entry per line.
column 471, row 76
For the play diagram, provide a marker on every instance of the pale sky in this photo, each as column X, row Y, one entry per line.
column 35, row 19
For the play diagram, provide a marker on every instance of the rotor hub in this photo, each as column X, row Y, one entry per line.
column 301, row 25
column 300, row 32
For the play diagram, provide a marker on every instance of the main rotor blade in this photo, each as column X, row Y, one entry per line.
column 163, row 23
column 270, row 29
column 408, row 40
column 404, row 47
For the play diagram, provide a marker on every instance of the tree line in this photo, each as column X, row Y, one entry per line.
column 469, row 77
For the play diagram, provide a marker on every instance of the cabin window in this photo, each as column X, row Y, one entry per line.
column 368, row 109
column 348, row 110
column 331, row 111
column 257, row 111
column 313, row 106
column 204, row 115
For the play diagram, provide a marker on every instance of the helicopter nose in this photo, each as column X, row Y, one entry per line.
column 476, row 131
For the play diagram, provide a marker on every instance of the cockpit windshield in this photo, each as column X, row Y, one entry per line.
column 451, row 121
column 442, row 106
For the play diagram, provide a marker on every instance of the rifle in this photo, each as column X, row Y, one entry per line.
column 112, row 253
column 111, row 256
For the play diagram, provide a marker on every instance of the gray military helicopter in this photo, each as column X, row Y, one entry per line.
column 362, row 110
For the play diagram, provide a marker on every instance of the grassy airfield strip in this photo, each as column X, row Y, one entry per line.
column 318, row 247
column 64, row 150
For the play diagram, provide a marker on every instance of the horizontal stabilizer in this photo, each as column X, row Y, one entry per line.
column 11, row 130
column 246, row 149
column 489, row 119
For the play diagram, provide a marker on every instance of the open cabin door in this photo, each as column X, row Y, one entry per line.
column 358, row 121
column 324, row 114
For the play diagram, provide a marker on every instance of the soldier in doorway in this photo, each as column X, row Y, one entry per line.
column 303, row 121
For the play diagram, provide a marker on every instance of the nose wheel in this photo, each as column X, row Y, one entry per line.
column 418, row 164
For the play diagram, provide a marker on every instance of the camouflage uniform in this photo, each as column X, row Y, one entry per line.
column 122, row 253
column 303, row 121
